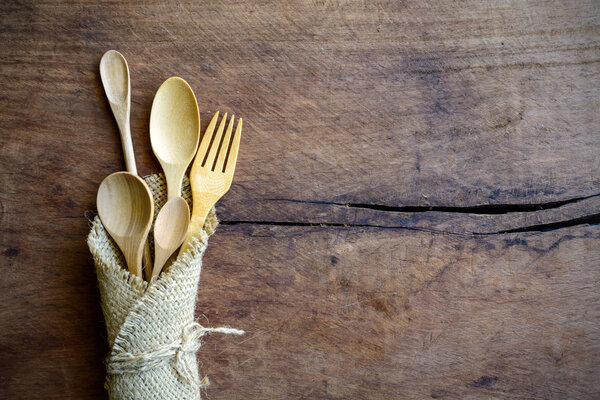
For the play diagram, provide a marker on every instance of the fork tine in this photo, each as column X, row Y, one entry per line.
column 206, row 139
column 214, row 145
column 219, row 164
column 231, row 159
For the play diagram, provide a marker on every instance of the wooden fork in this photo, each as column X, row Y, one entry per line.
column 212, row 171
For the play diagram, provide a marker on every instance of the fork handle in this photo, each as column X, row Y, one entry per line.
column 196, row 225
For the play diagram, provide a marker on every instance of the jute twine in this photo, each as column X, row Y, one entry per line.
column 151, row 331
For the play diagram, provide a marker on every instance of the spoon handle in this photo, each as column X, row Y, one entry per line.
column 125, row 131
column 122, row 117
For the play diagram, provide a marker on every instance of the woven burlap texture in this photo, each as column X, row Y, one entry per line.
column 151, row 330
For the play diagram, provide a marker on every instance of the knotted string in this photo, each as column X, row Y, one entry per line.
column 179, row 351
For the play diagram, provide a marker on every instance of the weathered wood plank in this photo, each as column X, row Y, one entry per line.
column 381, row 102
column 368, row 313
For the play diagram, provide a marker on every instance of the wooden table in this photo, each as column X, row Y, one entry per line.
column 415, row 212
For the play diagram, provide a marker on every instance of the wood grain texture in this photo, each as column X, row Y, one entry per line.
column 432, row 228
column 349, row 313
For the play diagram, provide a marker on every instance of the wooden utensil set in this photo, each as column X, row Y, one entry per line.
column 125, row 203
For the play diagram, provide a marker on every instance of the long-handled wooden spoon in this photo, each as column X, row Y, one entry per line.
column 174, row 130
column 115, row 79
column 126, row 208
column 170, row 228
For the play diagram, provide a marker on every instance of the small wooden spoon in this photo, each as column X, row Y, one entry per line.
column 170, row 228
column 174, row 130
column 115, row 79
column 126, row 208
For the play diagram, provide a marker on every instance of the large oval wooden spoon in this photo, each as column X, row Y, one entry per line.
column 174, row 130
column 115, row 79
column 126, row 208
column 170, row 229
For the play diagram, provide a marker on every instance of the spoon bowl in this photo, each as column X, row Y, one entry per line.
column 115, row 79
column 126, row 208
column 170, row 229
column 115, row 76
column 174, row 130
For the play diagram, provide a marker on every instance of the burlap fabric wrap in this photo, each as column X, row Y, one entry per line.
column 151, row 331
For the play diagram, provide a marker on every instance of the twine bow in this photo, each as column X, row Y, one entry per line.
column 181, row 351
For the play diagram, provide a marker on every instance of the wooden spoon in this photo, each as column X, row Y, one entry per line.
column 174, row 130
column 115, row 79
column 126, row 208
column 169, row 231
